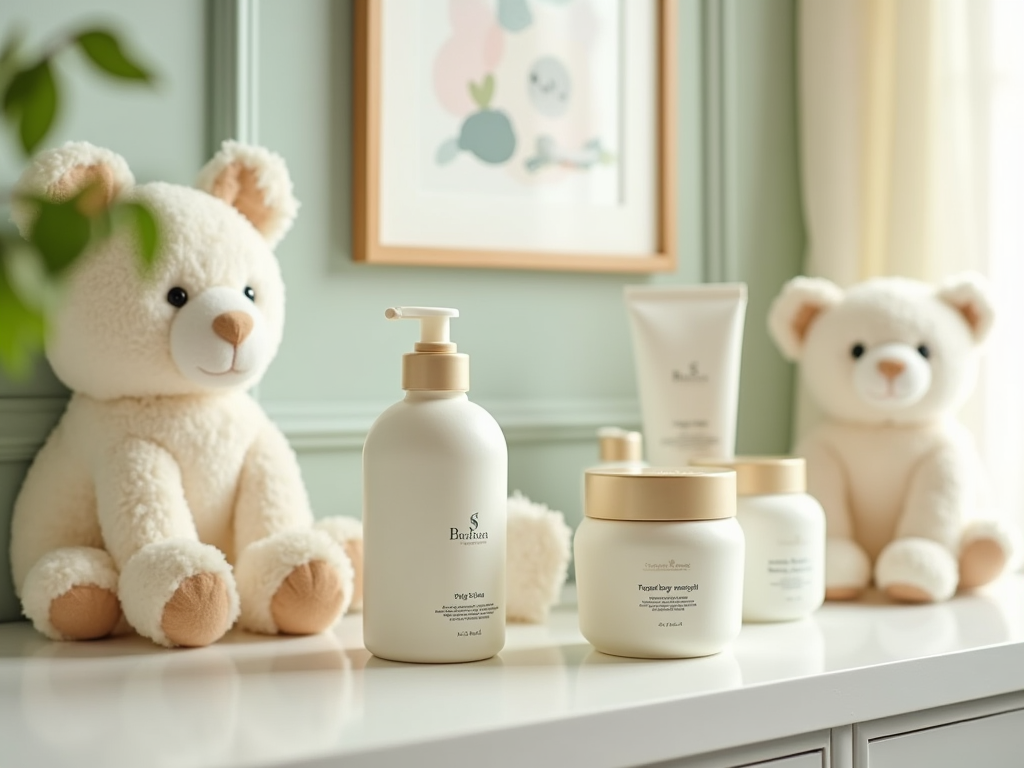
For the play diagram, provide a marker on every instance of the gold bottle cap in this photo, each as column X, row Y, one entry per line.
column 435, row 365
column 660, row 493
column 435, row 371
column 762, row 475
column 615, row 444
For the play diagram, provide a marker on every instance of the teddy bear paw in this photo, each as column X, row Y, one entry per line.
column 199, row 611
column 847, row 569
column 85, row 612
column 179, row 592
column 348, row 532
column 985, row 550
column 309, row 600
column 915, row 570
column 71, row 594
column 297, row 582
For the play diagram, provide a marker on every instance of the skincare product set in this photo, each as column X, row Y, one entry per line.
column 670, row 558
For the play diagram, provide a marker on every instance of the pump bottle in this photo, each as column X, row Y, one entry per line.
column 435, row 490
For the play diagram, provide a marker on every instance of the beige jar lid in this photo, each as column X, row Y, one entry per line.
column 615, row 444
column 763, row 475
column 660, row 493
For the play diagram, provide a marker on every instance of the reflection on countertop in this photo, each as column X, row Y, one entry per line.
column 252, row 700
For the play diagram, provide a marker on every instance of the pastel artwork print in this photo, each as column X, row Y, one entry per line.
column 523, row 99
column 468, row 55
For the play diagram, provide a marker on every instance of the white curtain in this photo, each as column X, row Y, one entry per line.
column 912, row 140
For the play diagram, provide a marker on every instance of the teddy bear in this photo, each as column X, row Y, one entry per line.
column 165, row 498
column 889, row 361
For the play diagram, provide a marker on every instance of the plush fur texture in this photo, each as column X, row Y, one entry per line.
column 163, row 471
column 539, row 545
column 889, row 362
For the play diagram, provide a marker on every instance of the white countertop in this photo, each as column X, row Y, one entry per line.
column 548, row 699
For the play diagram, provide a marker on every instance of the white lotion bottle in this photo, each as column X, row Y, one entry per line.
column 435, row 490
column 784, row 574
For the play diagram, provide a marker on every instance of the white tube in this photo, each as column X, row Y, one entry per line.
column 686, row 346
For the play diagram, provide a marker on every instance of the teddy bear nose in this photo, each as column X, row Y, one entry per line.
column 891, row 368
column 233, row 327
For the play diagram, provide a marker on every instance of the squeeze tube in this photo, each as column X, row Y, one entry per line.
column 686, row 347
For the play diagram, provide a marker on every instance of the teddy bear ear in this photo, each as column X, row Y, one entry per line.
column 255, row 182
column 61, row 173
column 794, row 310
column 970, row 294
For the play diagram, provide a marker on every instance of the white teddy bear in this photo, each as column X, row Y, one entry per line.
column 890, row 361
column 163, row 471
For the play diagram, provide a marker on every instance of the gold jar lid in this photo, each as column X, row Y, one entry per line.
column 616, row 444
column 762, row 475
column 660, row 493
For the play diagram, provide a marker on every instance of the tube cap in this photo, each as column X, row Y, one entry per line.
column 762, row 475
column 660, row 493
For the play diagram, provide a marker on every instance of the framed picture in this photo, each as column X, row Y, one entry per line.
column 532, row 134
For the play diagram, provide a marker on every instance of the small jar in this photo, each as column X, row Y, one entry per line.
column 784, row 577
column 659, row 562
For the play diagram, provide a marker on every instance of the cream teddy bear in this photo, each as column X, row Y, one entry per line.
column 890, row 361
column 163, row 472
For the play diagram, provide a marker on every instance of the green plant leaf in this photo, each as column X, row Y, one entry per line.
column 22, row 330
column 17, row 92
column 483, row 93
column 31, row 101
column 61, row 233
column 104, row 50
column 9, row 54
column 146, row 230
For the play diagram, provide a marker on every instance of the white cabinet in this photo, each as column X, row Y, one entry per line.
column 807, row 751
column 807, row 760
column 988, row 733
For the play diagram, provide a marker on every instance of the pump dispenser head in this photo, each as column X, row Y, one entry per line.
column 434, row 365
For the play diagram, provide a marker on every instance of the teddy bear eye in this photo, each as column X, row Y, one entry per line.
column 857, row 350
column 250, row 293
column 923, row 351
column 177, row 297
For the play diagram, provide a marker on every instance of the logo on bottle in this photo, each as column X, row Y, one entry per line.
column 671, row 565
column 472, row 533
column 692, row 374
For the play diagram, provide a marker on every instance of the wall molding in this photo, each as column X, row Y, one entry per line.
column 714, row 154
column 234, row 64
column 331, row 425
column 334, row 425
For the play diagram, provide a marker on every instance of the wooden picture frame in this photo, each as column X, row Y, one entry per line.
column 370, row 183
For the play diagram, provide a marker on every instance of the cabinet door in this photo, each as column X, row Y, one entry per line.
column 988, row 733
column 996, row 741
column 810, row 750
column 807, row 760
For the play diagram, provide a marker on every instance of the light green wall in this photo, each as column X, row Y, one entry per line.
column 762, row 225
column 550, row 351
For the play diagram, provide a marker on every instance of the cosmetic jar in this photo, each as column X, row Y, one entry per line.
column 784, row 527
column 619, row 448
column 659, row 561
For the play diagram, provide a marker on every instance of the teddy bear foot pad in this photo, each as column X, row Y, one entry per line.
column 981, row 562
column 199, row 612
column 309, row 600
column 85, row 612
